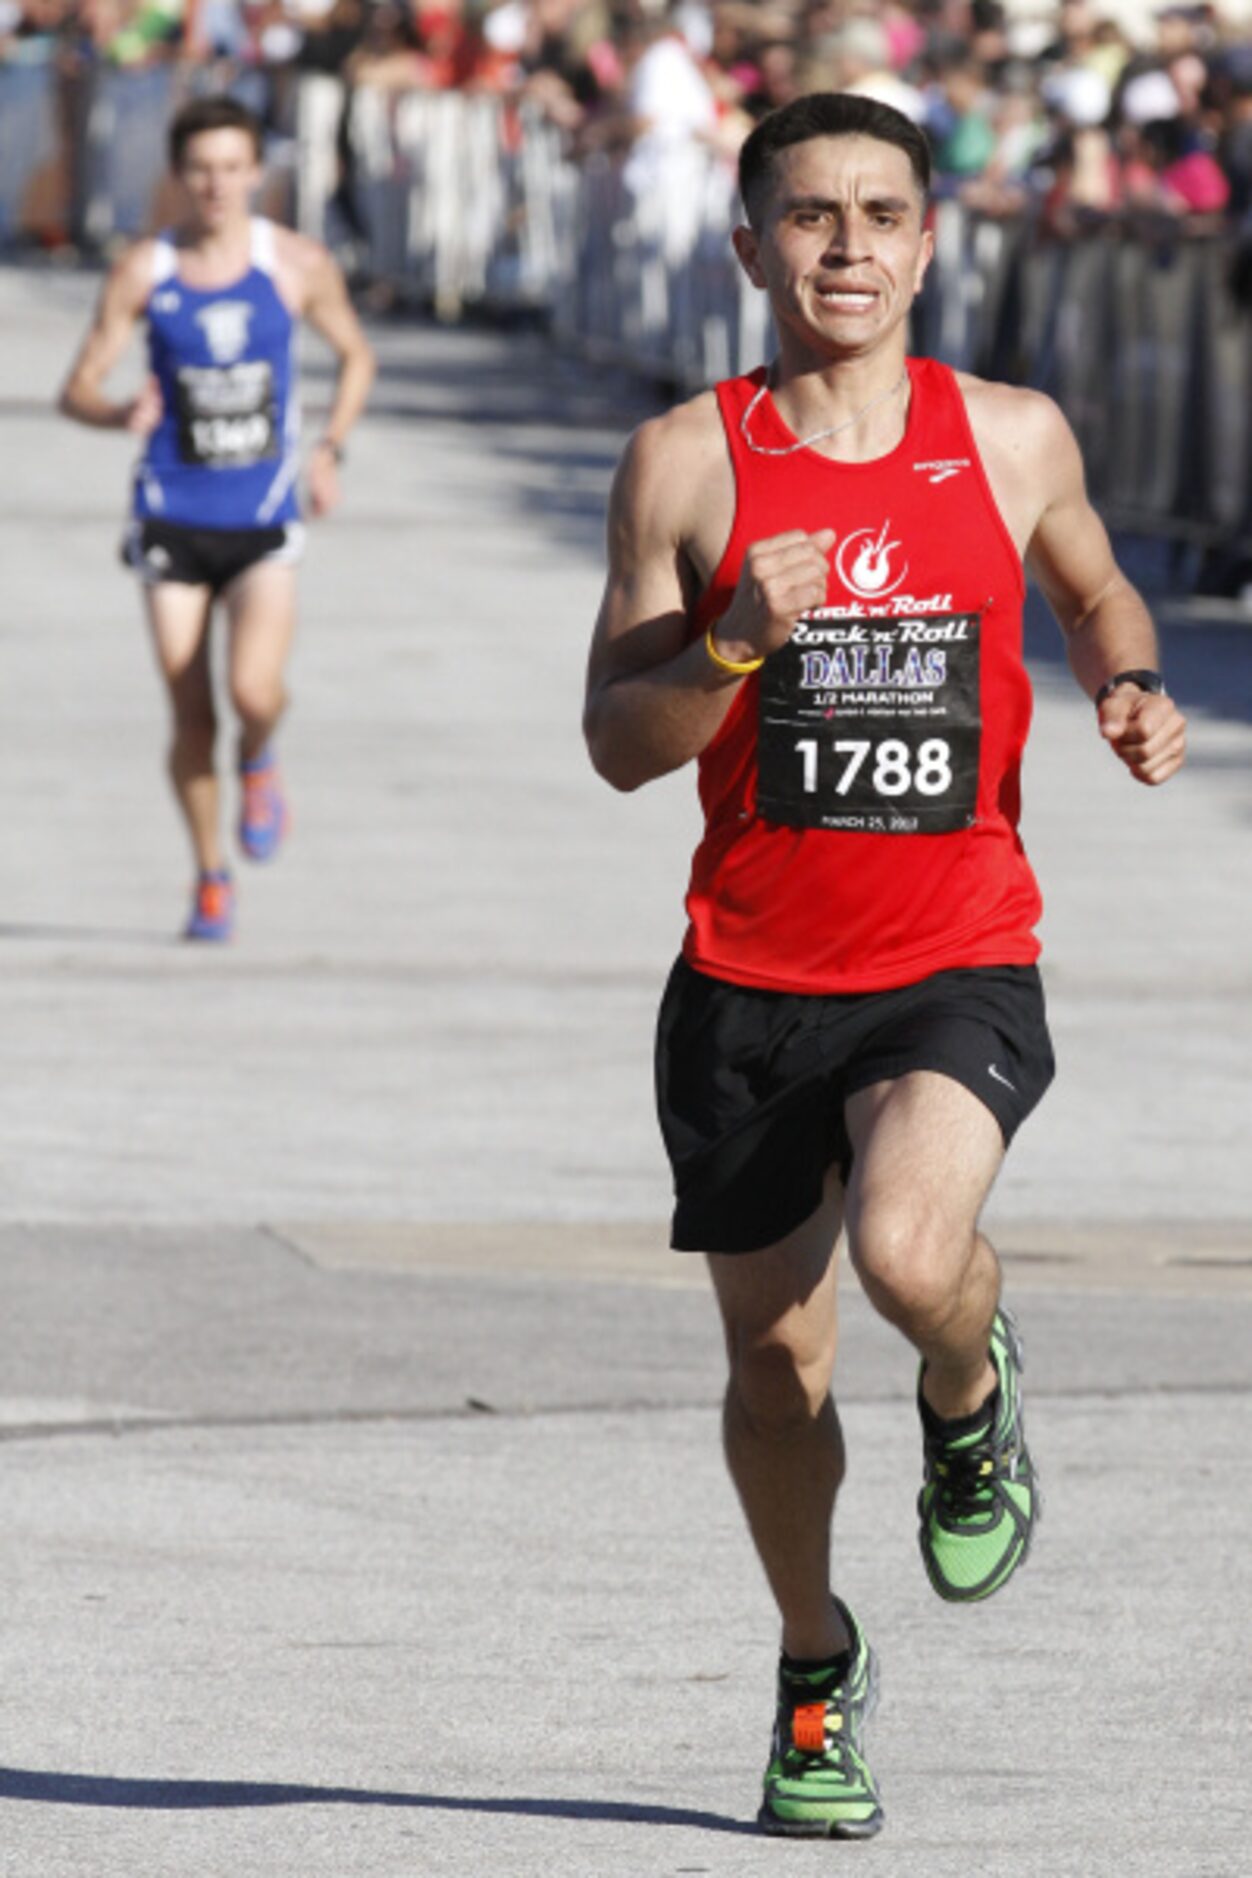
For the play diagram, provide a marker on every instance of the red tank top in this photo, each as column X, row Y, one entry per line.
column 861, row 798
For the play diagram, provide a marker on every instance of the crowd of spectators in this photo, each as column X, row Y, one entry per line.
column 1081, row 109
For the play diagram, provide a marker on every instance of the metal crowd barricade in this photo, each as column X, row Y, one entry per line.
column 1135, row 334
column 317, row 106
column 660, row 294
column 461, row 200
column 545, row 194
column 29, row 147
column 467, row 201
column 82, row 148
column 123, row 144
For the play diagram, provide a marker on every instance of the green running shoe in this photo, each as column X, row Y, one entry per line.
column 980, row 1499
column 817, row 1785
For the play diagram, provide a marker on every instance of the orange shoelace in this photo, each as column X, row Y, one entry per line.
column 213, row 899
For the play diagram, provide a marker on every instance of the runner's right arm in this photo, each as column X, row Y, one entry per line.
column 121, row 303
column 655, row 698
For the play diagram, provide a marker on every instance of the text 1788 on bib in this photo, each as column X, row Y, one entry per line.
column 872, row 726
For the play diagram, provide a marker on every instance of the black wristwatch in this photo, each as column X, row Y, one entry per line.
column 1146, row 681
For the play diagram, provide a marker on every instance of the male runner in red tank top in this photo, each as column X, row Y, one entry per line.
column 815, row 589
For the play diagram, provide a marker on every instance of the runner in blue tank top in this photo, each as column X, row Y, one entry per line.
column 216, row 512
column 224, row 452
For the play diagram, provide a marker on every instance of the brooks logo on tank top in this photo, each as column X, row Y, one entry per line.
column 225, row 452
column 862, row 796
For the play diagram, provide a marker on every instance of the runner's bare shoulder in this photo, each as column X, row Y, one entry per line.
column 1012, row 417
column 1027, row 447
column 674, row 469
column 301, row 263
column 130, row 279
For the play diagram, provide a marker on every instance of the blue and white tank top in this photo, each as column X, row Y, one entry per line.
column 225, row 452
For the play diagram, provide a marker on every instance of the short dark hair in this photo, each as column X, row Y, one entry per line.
column 219, row 113
column 826, row 114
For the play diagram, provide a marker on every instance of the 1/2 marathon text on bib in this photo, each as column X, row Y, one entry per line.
column 871, row 725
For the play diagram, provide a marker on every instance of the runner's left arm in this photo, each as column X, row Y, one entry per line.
column 1107, row 626
column 330, row 312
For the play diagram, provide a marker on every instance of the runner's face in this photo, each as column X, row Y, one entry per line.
column 219, row 172
column 840, row 250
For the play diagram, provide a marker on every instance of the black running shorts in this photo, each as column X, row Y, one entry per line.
column 751, row 1085
column 205, row 557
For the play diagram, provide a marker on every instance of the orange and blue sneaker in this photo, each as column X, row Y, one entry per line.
column 263, row 811
column 212, row 907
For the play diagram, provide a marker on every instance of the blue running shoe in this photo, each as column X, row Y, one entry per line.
column 212, row 908
column 263, row 816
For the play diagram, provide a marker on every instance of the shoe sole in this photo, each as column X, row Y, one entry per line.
column 776, row 1828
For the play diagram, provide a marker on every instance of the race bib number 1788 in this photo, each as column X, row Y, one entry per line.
column 872, row 726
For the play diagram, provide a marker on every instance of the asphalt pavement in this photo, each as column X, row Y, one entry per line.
column 364, row 1512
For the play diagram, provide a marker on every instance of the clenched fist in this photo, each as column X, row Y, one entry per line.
column 1146, row 730
column 781, row 578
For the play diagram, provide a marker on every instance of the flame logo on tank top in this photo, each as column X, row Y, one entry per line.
column 867, row 563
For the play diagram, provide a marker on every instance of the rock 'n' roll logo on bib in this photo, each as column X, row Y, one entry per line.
column 872, row 725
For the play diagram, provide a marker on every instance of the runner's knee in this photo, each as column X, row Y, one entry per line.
column 778, row 1387
column 256, row 700
column 909, row 1265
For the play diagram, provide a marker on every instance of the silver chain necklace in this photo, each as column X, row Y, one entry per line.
column 818, row 436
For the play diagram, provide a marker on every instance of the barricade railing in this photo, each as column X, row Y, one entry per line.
column 1140, row 339
column 462, row 201
column 458, row 200
column 82, row 146
column 1135, row 334
column 34, row 183
column 649, row 279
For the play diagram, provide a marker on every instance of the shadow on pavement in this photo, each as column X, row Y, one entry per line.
column 103, row 935
column 559, row 421
column 51, row 1789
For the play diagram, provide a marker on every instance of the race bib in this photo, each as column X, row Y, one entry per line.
column 226, row 414
column 872, row 726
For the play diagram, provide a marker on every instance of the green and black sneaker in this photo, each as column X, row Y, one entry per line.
column 980, row 1499
column 817, row 1785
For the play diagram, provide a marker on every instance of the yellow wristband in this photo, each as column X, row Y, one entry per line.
column 730, row 665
